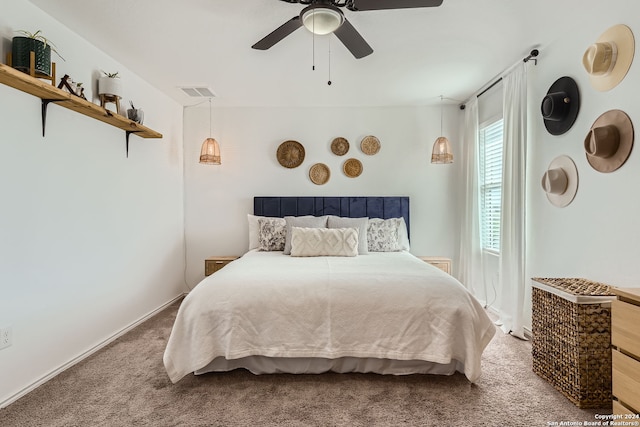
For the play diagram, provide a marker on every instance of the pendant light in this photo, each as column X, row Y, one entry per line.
column 210, row 151
column 441, row 153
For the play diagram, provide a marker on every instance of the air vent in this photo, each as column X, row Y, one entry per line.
column 198, row 92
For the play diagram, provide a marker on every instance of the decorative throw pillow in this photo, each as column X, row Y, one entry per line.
column 307, row 221
column 383, row 234
column 359, row 223
column 271, row 234
column 306, row 242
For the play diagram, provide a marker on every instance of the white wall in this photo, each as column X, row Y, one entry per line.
column 218, row 198
column 90, row 241
column 596, row 236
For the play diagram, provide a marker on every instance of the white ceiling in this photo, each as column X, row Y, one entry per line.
column 419, row 54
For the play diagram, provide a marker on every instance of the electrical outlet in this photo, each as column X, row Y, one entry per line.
column 5, row 337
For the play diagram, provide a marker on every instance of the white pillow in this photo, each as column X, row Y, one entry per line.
column 254, row 230
column 307, row 242
column 387, row 235
column 403, row 236
column 308, row 221
column 359, row 223
column 271, row 234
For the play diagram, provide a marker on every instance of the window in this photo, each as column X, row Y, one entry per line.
column 490, row 184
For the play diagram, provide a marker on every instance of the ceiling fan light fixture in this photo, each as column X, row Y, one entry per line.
column 321, row 19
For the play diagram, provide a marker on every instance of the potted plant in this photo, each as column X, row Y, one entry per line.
column 135, row 114
column 32, row 42
column 109, row 84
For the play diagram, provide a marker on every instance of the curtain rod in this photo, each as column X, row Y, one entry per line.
column 531, row 57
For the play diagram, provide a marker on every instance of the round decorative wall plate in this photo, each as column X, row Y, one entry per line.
column 339, row 146
column 352, row 168
column 319, row 173
column 370, row 145
column 290, row 154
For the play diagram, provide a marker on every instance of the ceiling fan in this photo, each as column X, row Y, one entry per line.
column 325, row 17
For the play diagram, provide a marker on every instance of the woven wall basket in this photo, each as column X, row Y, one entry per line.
column 290, row 154
column 339, row 146
column 319, row 173
column 352, row 168
column 370, row 145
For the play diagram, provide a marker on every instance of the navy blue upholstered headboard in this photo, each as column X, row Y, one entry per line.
column 354, row 207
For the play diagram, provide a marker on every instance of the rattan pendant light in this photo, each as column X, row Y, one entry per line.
column 441, row 153
column 210, row 151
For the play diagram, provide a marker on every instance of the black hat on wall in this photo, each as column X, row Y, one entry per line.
column 560, row 105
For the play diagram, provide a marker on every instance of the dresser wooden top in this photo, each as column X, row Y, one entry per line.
column 629, row 293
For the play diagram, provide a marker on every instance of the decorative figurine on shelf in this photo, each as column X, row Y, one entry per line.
column 74, row 88
column 135, row 114
column 80, row 90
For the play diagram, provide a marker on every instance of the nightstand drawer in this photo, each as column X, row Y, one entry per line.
column 626, row 379
column 625, row 319
column 213, row 264
column 442, row 263
column 620, row 409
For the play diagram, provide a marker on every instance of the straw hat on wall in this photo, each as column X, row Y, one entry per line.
column 608, row 60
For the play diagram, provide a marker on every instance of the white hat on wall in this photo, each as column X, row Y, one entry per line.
column 560, row 181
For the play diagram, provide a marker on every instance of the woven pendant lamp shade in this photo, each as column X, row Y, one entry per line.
column 441, row 152
column 210, row 152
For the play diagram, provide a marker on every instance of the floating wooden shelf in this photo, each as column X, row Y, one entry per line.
column 49, row 93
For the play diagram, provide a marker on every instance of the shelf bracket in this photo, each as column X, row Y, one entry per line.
column 129, row 132
column 45, row 104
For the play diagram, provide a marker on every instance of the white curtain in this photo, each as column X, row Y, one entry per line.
column 470, row 269
column 512, row 235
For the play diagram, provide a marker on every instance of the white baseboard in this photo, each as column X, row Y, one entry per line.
column 86, row 354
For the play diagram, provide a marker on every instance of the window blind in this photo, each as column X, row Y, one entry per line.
column 490, row 185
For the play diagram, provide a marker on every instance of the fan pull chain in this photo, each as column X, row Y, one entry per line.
column 313, row 43
column 329, row 82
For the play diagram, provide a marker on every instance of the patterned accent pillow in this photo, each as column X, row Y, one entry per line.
column 306, row 242
column 383, row 234
column 271, row 234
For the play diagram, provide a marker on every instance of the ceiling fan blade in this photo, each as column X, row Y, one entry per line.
column 353, row 40
column 279, row 33
column 393, row 4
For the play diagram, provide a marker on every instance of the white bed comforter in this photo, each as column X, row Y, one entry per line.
column 381, row 305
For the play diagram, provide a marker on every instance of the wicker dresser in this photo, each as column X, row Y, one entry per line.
column 571, row 346
column 625, row 338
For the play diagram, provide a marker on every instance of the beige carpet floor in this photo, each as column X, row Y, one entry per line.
column 125, row 384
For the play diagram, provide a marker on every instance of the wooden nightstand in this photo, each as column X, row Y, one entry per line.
column 442, row 263
column 625, row 314
column 215, row 263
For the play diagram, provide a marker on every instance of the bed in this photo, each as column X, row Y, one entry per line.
column 386, row 312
